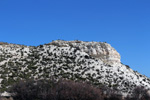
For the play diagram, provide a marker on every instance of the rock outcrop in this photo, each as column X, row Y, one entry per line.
column 96, row 62
column 100, row 50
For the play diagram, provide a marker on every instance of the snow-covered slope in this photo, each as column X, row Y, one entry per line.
column 96, row 62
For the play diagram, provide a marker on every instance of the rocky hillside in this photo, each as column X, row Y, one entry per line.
column 96, row 62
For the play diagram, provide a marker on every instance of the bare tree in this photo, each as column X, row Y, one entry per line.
column 139, row 93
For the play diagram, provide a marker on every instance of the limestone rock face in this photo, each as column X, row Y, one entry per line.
column 100, row 50
column 96, row 62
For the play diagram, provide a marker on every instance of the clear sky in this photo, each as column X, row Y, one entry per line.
column 125, row 24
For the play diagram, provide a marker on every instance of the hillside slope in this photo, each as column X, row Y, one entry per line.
column 96, row 62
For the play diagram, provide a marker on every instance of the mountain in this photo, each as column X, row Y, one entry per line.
column 96, row 62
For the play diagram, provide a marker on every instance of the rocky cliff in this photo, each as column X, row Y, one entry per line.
column 100, row 50
column 96, row 62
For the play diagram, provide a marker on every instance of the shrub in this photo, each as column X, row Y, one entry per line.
column 70, row 90
column 113, row 97
column 31, row 90
column 139, row 93
column 52, row 90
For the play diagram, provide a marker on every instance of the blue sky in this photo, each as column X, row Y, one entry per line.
column 125, row 24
